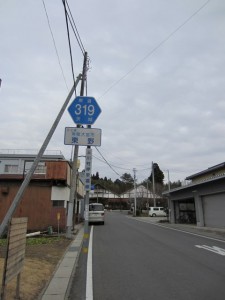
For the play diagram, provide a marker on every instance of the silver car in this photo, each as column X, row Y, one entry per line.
column 157, row 212
column 96, row 213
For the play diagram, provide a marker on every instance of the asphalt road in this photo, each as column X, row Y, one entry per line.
column 134, row 260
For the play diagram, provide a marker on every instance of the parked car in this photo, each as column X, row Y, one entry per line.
column 96, row 213
column 157, row 212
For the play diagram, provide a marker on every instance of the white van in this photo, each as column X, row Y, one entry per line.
column 157, row 212
column 96, row 213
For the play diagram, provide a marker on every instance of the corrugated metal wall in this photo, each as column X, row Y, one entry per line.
column 36, row 204
column 214, row 210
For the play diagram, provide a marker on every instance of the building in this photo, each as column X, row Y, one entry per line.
column 45, row 201
column 108, row 198
column 202, row 201
column 125, row 200
column 144, row 197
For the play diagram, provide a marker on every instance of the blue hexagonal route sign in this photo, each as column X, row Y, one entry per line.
column 84, row 110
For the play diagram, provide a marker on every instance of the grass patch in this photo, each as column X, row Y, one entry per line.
column 3, row 242
column 42, row 240
column 35, row 241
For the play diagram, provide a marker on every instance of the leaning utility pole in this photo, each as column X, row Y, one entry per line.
column 73, row 187
column 27, row 179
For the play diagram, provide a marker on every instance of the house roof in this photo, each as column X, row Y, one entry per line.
column 140, row 190
column 195, row 184
column 209, row 170
column 32, row 156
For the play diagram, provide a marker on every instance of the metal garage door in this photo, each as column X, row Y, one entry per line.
column 214, row 210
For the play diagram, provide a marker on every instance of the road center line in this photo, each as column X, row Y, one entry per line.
column 89, row 280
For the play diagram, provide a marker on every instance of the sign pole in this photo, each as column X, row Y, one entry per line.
column 73, row 194
column 84, row 110
column 88, row 165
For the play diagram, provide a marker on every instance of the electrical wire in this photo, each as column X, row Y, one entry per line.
column 117, row 167
column 130, row 169
column 68, row 36
column 155, row 48
column 107, row 162
column 57, row 53
column 129, row 163
column 75, row 30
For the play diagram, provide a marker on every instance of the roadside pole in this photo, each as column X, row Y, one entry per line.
column 153, row 183
column 27, row 179
column 84, row 110
column 72, row 199
column 135, row 194
column 73, row 187
column 88, row 166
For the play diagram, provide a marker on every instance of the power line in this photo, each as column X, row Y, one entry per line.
column 117, row 167
column 107, row 162
column 75, row 30
column 130, row 169
column 127, row 163
column 155, row 48
column 49, row 25
column 68, row 35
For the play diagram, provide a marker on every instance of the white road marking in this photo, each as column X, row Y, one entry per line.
column 214, row 249
column 89, row 281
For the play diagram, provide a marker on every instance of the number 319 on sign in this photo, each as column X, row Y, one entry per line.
column 84, row 110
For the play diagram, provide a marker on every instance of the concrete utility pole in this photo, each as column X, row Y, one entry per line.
column 147, row 203
column 168, row 172
column 72, row 200
column 153, row 183
column 73, row 187
column 135, row 193
column 27, row 179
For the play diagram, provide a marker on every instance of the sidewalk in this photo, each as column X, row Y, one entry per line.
column 60, row 283
column 216, row 233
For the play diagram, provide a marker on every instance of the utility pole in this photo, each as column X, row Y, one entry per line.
column 73, row 187
column 147, row 202
column 135, row 193
column 153, row 183
column 27, row 179
column 168, row 179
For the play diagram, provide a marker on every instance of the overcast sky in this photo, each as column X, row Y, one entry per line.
column 157, row 70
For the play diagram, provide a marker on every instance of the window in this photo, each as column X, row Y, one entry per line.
column 96, row 207
column 58, row 203
column 11, row 169
column 156, row 208
column 41, row 169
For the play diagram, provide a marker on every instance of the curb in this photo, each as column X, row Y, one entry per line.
column 217, row 233
column 59, row 286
